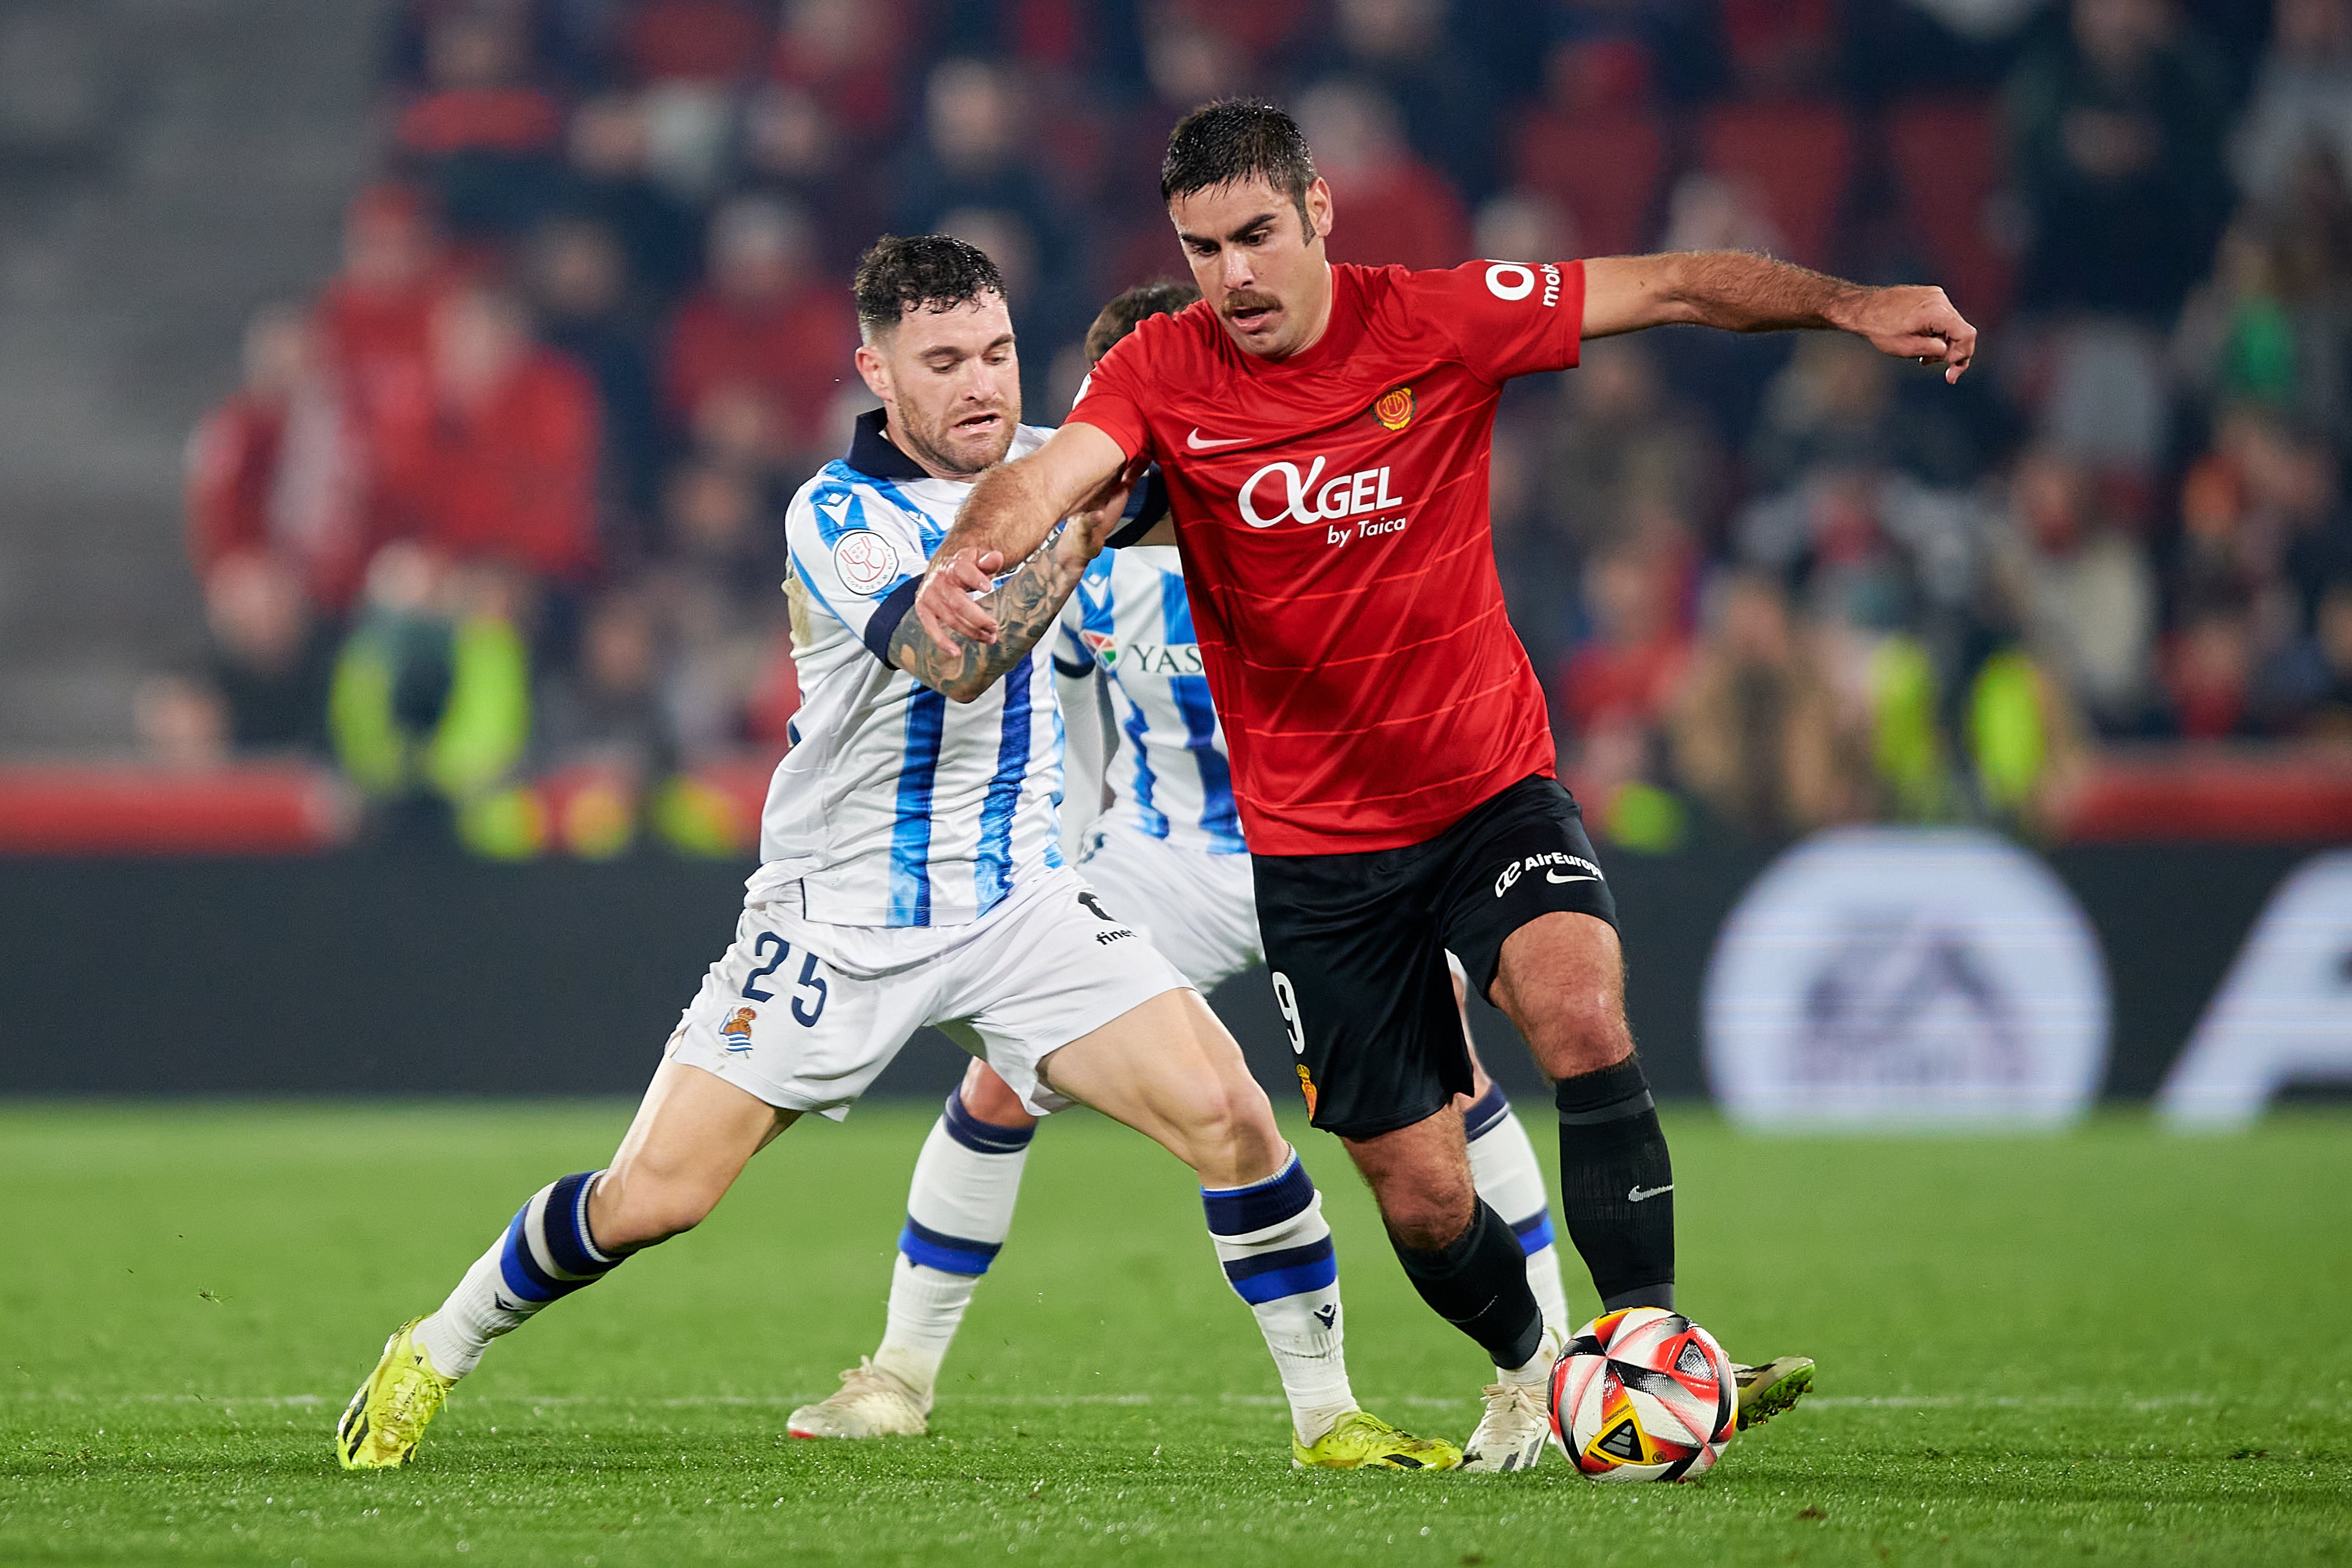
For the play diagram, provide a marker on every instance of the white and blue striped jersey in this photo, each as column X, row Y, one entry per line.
column 1169, row 775
column 896, row 807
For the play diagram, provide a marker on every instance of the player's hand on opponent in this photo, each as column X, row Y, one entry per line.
column 1102, row 512
column 1914, row 323
column 949, row 604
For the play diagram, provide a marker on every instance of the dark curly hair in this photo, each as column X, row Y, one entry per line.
column 1233, row 138
column 1160, row 296
column 924, row 272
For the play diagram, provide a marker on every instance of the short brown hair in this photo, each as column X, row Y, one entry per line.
column 930, row 272
column 1160, row 296
column 1230, row 139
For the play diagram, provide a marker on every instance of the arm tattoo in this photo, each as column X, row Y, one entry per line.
column 1024, row 601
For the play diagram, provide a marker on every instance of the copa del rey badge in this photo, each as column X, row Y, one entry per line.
column 866, row 561
column 1394, row 409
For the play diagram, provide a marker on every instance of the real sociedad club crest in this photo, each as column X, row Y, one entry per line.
column 737, row 1031
column 1394, row 409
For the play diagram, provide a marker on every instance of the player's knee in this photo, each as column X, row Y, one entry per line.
column 991, row 1100
column 1214, row 1113
column 1575, row 1032
column 1228, row 1125
column 1426, row 1218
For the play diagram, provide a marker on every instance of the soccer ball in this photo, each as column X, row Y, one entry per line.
column 1644, row 1394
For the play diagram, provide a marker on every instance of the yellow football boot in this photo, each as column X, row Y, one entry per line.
column 1362, row 1441
column 387, row 1416
column 1766, row 1390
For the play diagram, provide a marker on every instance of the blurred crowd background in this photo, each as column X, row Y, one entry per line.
column 491, row 522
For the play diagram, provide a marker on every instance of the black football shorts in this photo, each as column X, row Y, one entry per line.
column 1357, row 944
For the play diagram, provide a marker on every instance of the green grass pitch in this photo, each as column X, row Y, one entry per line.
column 2113, row 1344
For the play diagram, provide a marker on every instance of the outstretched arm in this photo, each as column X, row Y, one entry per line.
column 1744, row 293
column 1023, row 606
column 1079, row 470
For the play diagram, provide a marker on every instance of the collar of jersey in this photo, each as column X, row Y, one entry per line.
column 871, row 453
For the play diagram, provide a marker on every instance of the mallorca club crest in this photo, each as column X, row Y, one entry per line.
column 1394, row 408
column 737, row 1031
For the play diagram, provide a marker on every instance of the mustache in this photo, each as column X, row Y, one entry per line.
column 1248, row 300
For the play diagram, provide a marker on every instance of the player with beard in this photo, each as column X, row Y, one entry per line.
column 1324, row 433
column 910, row 875
column 1167, row 853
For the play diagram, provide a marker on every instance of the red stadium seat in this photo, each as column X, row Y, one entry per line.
column 1798, row 156
column 1603, row 166
column 1945, row 157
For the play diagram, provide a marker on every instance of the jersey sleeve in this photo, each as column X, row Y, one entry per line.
column 1071, row 656
column 862, row 561
column 1147, row 508
column 1507, row 318
column 1087, row 609
column 1107, row 399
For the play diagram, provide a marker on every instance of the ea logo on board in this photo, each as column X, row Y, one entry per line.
column 1879, row 975
column 866, row 561
column 2283, row 1014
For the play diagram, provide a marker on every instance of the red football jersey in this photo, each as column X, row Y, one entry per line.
column 1331, row 510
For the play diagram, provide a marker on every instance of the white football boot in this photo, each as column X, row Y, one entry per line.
column 871, row 1403
column 1511, row 1435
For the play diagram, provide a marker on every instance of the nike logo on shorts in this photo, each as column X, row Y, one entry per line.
column 1642, row 1193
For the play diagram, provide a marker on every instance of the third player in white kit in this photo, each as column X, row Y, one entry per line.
column 1165, row 855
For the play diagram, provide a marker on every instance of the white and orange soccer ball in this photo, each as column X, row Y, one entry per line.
column 1644, row 1394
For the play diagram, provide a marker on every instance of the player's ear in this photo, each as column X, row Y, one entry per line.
column 875, row 369
column 1318, row 210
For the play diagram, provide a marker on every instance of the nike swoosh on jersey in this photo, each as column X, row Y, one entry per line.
column 1197, row 445
column 1555, row 876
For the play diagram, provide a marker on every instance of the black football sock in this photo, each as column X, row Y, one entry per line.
column 1479, row 1282
column 1617, row 1185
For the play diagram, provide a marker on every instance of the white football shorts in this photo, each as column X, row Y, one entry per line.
column 805, row 1015
column 1199, row 909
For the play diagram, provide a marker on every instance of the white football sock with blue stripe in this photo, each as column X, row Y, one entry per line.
column 959, row 1212
column 1278, row 1256
column 545, row 1254
column 1503, row 1168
